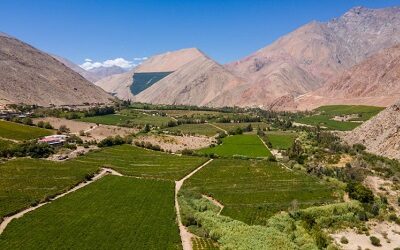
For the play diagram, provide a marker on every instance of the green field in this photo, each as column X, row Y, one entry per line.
column 128, row 117
column 253, row 190
column 6, row 144
column 27, row 181
column 198, row 129
column 112, row 213
column 204, row 244
column 244, row 145
column 280, row 139
column 233, row 126
column 135, row 161
column 20, row 132
column 324, row 115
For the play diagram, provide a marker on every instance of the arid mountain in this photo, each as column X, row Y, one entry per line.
column 381, row 134
column 120, row 85
column 28, row 75
column 303, row 60
column 375, row 81
column 198, row 82
column 94, row 74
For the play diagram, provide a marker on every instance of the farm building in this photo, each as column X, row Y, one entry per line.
column 54, row 140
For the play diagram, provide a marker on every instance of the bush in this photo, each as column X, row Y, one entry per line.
column 375, row 241
column 344, row 240
column 63, row 129
column 359, row 192
column 47, row 125
column 40, row 124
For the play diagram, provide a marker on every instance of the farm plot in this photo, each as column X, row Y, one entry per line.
column 244, row 145
column 20, row 132
column 363, row 112
column 24, row 182
column 253, row 190
column 111, row 213
column 233, row 126
column 280, row 139
column 197, row 129
column 135, row 161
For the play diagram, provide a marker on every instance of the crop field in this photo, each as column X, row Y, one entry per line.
column 20, row 132
column 254, row 190
column 111, row 213
column 233, row 126
column 325, row 116
column 198, row 129
column 204, row 244
column 244, row 145
column 280, row 139
column 135, row 161
column 191, row 113
column 128, row 117
column 27, row 181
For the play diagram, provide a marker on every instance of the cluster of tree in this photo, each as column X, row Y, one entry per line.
column 113, row 141
column 239, row 119
column 42, row 124
column 97, row 111
column 31, row 149
column 240, row 130
column 148, row 145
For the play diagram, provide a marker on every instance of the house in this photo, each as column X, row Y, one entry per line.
column 54, row 140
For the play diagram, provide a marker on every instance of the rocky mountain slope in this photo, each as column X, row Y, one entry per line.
column 119, row 85
column 375, row 81
column 303, row 60
column 381, row 134
column 28, row 75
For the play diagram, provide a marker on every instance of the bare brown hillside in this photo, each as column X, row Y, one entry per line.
column 28, row 75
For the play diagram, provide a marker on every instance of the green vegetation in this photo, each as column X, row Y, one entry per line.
column 6, row 145
column 142, row 81
column 15, row 131
column 204, row 244
column 243, row 145
column 196, row 129
column 280, row 139
column 112, row 213
column 242, row 125
column 253, row 190
column 135, row 161
column 325, row 114
column 25, row 182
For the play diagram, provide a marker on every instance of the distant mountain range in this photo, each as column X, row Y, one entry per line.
column 30, row 76
column 304, row 65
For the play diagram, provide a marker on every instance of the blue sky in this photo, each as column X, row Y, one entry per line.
column 101, row 30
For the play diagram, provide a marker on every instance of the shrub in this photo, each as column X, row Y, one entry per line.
column 344, row 240
column 375, row 241
column 359, row 192
column 63, row 129
column 47, row 125
column 40, row 124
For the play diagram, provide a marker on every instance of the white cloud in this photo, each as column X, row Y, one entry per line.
column 120, row 62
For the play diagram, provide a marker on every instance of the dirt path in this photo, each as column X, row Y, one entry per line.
column 11, row 140
column 218, row 127
column 101, row 174
column 272, row 152
column 186, row 236
column 215, row 202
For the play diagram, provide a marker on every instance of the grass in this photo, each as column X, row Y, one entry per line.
column 112, row 213
column 27, row 181
column 326, row 113
column 280, row 139
column 128, row 117
column 204, row 244
column 135, row 161
column 198, row 129
column 233, row 126
column 244, row 145
column 253, row 190
column 20, row 132
column 6, row 144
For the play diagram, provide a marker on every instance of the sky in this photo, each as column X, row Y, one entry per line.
column 106, row 32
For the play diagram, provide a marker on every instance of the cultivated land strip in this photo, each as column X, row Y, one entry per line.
column 186, row 236
column 101, row 174
column 215, row 202
column 272, row 152
column 218, row 127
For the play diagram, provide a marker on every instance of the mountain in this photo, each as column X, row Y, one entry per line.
column 120, row 85
column 92, row 75
column 375, row 81
column 305, row 59
column 381, row 134
column 28, row 75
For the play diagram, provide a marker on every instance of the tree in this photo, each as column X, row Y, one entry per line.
column 63, row 129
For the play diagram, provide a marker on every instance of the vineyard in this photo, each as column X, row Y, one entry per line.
column 197, row 129
column 254, row 190
column 15, row 131
column 112, row 213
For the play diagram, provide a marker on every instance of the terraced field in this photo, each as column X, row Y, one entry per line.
column 27, row 181
column 280, row 139
column 244, row 145
column 135, row 161
column 198, row 129
column 253, row 190
column 20, row 132
column 112, row 213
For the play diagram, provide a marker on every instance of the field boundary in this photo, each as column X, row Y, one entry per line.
column 98, row 176
column 186, row 236
column 280, row 163
column 218, row 127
